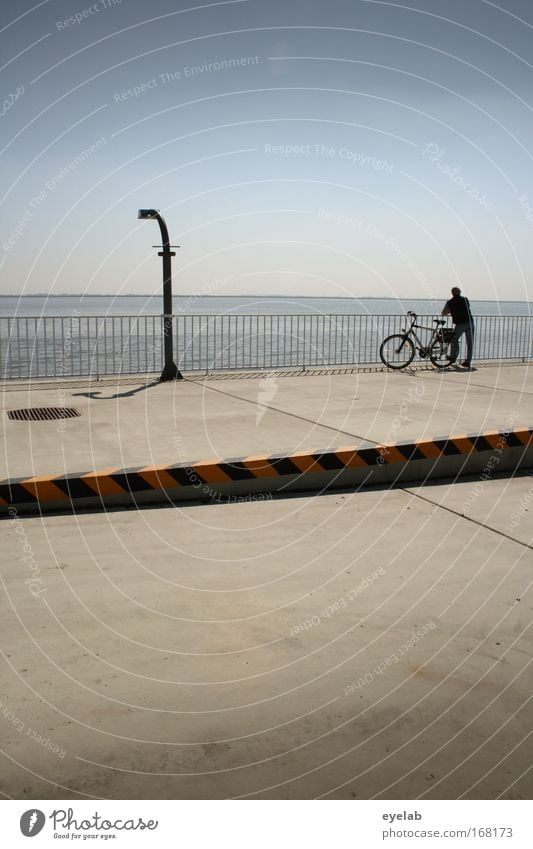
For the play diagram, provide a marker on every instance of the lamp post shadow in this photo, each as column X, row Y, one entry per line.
column 97, row 396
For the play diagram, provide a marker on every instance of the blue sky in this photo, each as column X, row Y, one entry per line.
column 295, row 148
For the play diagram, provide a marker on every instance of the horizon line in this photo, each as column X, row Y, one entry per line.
column 272, row 297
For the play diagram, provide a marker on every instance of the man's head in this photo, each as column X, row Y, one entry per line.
column 456, row 291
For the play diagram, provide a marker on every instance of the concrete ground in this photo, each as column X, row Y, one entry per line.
column 350, row 645
column 136, row 424
column 355, row 645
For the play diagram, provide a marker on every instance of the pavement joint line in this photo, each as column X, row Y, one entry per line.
column 255, row 475
column 293, row 415
column 409, row 491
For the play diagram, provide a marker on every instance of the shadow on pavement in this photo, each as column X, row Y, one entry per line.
column 97, row 396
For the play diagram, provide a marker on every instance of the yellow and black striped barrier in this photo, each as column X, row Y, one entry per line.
column 227, row 480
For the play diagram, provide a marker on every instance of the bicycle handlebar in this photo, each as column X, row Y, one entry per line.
column 435, row 320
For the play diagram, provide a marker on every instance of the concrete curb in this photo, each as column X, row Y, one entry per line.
column 253, row 478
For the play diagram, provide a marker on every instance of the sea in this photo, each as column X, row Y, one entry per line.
column 136, row 305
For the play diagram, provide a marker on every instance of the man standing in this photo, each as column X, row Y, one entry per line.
column 459, row 309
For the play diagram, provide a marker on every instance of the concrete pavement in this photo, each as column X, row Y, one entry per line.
column 135, row 424
column 350, row 645
column 357, row 645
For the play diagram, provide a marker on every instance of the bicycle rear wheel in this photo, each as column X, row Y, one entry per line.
column 397, row 351
column 443, row 354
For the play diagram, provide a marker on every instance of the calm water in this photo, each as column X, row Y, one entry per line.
column 75, row 305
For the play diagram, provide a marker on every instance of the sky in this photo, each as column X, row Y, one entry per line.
column 294, row 147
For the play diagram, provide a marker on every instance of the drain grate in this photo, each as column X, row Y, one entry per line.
column 42, row 414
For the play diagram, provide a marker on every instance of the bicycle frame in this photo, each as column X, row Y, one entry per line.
column 423, row 350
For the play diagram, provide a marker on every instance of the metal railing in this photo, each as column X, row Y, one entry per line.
column 105, row 345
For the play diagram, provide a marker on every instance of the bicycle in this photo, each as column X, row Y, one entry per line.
column 398, row 351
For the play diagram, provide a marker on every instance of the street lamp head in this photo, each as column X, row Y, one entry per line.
column 147, row 213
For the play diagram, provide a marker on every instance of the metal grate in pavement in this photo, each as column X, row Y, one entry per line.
column 42, row 414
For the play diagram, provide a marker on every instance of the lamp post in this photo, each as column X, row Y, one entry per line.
column 170, row 369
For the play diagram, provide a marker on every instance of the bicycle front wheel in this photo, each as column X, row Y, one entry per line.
column 397, row 351
column 443, row 354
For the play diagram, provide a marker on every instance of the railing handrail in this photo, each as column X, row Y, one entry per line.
column 257, row 315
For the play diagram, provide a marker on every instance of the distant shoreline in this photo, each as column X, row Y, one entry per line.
column 269, row 297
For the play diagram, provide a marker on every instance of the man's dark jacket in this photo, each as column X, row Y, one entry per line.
column 459, row 309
